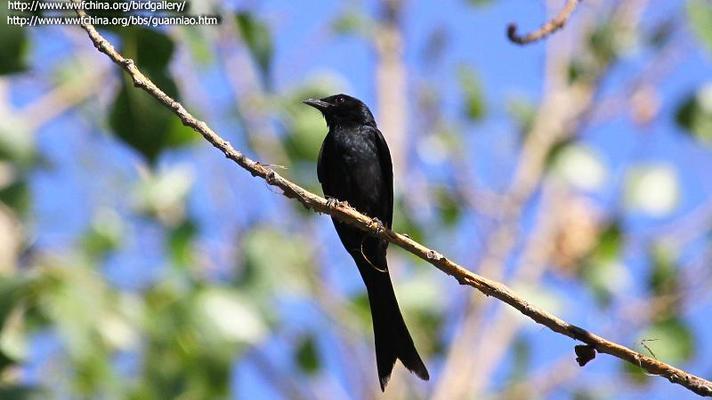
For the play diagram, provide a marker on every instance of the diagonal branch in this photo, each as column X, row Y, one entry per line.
column 547, row 29
column 346, row 214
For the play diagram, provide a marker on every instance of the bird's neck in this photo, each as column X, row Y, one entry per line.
column 346, row 124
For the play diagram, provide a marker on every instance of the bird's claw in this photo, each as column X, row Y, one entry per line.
column 332, row 202
column 377, row 225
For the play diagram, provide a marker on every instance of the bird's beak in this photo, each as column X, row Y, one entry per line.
column 320, row 105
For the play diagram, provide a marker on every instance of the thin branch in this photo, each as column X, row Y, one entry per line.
column 547, row 29
column 343, row 212
column 391, row 76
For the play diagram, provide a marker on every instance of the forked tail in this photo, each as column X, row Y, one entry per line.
column 392, row 338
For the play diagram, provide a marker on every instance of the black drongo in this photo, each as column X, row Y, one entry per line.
column 355, row 166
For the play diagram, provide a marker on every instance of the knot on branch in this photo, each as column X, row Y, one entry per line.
column 434, row 255
column 271, row 177
column 253, row 171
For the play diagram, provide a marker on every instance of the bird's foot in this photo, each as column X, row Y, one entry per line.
column 376, row 225
column 332, row 202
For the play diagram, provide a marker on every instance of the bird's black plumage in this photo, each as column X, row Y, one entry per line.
column 355, row 166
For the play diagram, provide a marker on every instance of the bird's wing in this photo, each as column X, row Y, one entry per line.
column 321, row 163
column 384, row 155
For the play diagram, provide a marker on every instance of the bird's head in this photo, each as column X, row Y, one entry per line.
column 341, row 109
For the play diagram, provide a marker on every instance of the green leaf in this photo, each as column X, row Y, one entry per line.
column 17, row 144
column 274, row 259
column 12, row 290
column 352, row 22
column 602, row 270
column 146, row 126
column 361, row 307
column 17, row 196
column 475, row 107
column 13, row 45
column 404, row 222
column 634, row 373
column 258, row 39
column 22, row 392
column 420, row 299
column 699, row 15
column 200, row 47
column 577, row 71
column 73, row 298
column 671, row 340
column 522, row 359
column 663, row 279
column 448, row 205
column 305, row 126
column 180, row 242
column 557, row 150
column 610, row 243
column 694, row 114
column 307, row 355
column 604, row 43
column 480, row 3
column 153, row 49
column 663, row 274
column 224, row 316
column 162, row 194
column 305, row 133
column 138, row 119
column 523, row 112
column 104, row 234
column 6, row 361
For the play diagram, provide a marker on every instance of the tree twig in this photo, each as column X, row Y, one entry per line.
column 346, row 214
column 545, row 30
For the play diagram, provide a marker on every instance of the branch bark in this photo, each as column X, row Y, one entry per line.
column 346, row 214
column 545, row 30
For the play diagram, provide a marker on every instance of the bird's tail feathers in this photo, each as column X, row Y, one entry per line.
column 393, row 341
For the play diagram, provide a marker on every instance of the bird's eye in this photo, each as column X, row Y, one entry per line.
column 340, row 99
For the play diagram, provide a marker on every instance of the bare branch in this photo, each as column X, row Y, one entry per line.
column 346, row 214
column 547, row 29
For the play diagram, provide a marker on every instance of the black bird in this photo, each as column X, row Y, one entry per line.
column 355, row 166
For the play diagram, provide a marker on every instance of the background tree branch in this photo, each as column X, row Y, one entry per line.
column 545, row 30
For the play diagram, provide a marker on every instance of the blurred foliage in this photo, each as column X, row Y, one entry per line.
column 138, row 119
column 474, row 102
column 307, row 355
column 579, row 165
column 694, row 114
column 13, row 45
column 353, row 22
column 480, row 3
column 602, row 269
column 258, row 39
column 273, row 259
column 699, row 13
column 652, row 189
column 522, row 112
